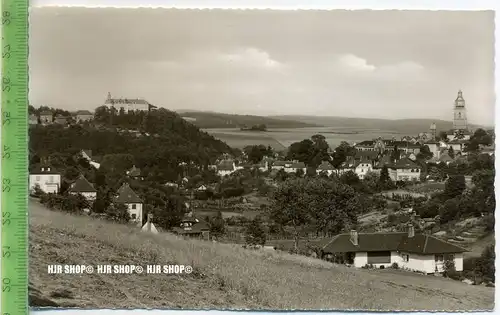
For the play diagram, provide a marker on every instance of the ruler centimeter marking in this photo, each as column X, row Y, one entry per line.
column 14, row 163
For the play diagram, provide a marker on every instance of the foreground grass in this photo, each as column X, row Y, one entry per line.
column 225, row 276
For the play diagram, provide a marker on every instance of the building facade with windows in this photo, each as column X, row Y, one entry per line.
column 134, row 204
column 47, row 178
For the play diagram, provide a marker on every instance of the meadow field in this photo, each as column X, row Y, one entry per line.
column 282, row 138
column 225, row 276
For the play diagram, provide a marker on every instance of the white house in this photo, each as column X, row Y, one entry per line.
column 363, row 167
column 405, row 169
column 415, row 252
column 129, row 198
column 46, row 178
column 83, row 187
column 226, row 167
column 280, row 165
column 325, row 167
column 293, row 167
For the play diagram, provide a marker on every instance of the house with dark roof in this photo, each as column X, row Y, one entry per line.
column 325, row 167
column 45, row 177
column 280, row 165
column 125, row 195
column 83, row 115
column 61, row 120
column 404, row 169
column 83, row 187
column 363, row 167
column 135, row 173
column 193, row 227
column 295, row 166
column 416, row 252
column 46, row 117
column 226, row 167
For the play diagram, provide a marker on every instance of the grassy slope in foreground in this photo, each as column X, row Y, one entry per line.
column 226, row 276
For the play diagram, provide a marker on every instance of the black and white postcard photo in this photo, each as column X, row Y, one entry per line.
column 261, row 159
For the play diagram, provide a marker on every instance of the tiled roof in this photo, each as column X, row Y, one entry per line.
column 367, row 242
column 134, row 172
column 370, row 242
column 82, row 185
column 366, row 143
column 226, row 165
column 88, row 153
column 46, row 113
column 325, row 166
column 43, row 169
column 125, row 194
column 298, row 165
column 366, row 154
column 405, row 163
column 445, row 157
column 126, row 101
column 427, row 244
column 281, row 163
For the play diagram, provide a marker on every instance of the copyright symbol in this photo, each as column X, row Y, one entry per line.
column 138, row 269
column 89, row 269
column 188, row 269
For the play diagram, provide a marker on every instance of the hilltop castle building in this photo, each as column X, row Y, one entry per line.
column 128, row 104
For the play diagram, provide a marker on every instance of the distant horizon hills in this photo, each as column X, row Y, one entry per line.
column 212, row 119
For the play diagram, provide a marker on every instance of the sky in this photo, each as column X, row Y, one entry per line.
column 370, row 64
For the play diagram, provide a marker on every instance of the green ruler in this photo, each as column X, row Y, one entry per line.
column 14, row 167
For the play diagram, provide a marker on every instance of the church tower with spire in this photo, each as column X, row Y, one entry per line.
column 459, row 113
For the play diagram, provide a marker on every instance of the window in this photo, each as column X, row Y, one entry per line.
column 134, row 206
column 439, row 258
column 133, row 216
column 379, row 257
column 406, row 257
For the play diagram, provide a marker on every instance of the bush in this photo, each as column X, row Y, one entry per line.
column 395, row 266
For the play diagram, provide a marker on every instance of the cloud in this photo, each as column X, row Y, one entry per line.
column 355, row 63
column 251, row 57
column 351, row 64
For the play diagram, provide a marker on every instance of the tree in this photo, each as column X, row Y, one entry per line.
column 395, row 154
column 327, row 205
column 425, row 153
column 255, row 153
column 118, row 212
column 451, row 152
column 255, row 233
column 350, row 178
column 372, row 181
column 443, row 135
column 486, row 264
column 449, row 211
column 217, row 225
column 385, row 179
column 341, row 153
column 454, row 186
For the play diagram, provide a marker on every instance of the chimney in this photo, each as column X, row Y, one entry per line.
column 411, row 231
column 354, row 237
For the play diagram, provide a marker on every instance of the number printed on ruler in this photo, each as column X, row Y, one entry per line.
column 14, row 164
